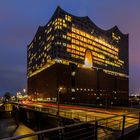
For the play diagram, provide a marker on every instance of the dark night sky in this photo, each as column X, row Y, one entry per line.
column 19, row 20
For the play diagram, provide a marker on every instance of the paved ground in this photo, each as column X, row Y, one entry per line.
column 22, row 129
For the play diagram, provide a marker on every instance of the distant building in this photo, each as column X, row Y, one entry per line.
column 74, row 57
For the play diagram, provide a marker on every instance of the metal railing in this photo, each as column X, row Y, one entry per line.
column 108, row 128
column 70, row 132
column 63, row 113
column 96, row 127
column 117, row 126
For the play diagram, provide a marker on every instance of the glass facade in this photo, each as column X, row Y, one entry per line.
column 67, row 38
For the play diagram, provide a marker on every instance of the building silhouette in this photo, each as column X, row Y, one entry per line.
column 81, row 62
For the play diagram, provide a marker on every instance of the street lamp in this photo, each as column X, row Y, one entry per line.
column 24, row 90
column 58, row 92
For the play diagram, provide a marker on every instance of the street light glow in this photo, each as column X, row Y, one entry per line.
column 24, row 90
column 60, row 88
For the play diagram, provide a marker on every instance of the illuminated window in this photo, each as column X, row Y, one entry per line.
column 68, row 18
column 64, row 25
column 73, row 73
column 73, row 90
column 88, row 59
column 68, row 38
column 64, row 44
column 39, row 37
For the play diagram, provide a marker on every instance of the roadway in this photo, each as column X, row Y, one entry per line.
column 85, row 113
column 80, row 112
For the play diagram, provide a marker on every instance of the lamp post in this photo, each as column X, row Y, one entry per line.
column 58, row 99
column 98, row 86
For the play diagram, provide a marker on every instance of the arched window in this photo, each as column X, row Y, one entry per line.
column 88, row 59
